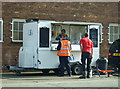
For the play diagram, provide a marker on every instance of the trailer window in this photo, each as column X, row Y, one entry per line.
column 44, row 37
column 74, row 32
column 100, row 34
column 77, row 33
column 94, row 36
column 56, row 30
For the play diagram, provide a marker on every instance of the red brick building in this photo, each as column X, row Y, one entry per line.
column 14, row 14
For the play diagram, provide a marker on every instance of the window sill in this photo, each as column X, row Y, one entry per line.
column 110, row 43
column 16, row 41
column 1, row 41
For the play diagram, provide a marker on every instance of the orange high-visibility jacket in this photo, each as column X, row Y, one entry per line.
column 65, row 48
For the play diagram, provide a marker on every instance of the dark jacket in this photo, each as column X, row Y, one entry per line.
column 59, row 46
column 60, row 35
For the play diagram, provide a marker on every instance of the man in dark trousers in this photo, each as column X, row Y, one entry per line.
column 64, row 48
column 86, row 46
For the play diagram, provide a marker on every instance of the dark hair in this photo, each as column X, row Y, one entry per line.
column 86, row 35
column 63, row 30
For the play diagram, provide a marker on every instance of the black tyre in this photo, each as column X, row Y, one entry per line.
column 56, row 71
column 77, row 69
column 18, row 73
column 45, row 71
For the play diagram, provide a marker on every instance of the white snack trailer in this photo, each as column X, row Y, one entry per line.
column 39, row 49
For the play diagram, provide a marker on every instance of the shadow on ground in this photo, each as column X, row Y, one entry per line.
column 26, row 75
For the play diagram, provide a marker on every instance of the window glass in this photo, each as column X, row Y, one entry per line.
column 100, row 35
column 44, row 37
column 15, row 25
column 56, row 30
column 74, row 32
column 0, row 31
column 119, row 30
column 21, row 25
column 77, row 33
column 116, row 30
column 15, row 35
column 111, row 38
column 116, row 37
column 20, row 35
column 94, row 36
column 111, row 30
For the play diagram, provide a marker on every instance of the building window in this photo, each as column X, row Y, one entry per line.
column 114, row 32
column 1, row 30
column 100, row 34
column 17, row 30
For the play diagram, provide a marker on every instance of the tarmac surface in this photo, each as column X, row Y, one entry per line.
column 36, row 79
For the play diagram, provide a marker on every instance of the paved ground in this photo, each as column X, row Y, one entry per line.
column 51, row 80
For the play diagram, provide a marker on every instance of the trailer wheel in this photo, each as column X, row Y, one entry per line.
column 18, row 73
column 45, row 71
column 77, row 69
column 56, row 71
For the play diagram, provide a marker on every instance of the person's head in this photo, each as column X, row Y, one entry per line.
column 64, row 36
column 63, row 31
column 86, row 34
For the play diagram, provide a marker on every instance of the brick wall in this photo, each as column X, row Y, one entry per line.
column 104, row 13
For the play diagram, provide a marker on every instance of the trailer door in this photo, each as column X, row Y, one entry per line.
column 93, row 31
column 47, row 59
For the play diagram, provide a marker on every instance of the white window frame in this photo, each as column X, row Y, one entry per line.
column 109, row 31
column 16, row 20
column 1, row 30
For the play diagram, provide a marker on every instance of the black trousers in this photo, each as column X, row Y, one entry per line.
column 84, row 56
column 64, row 62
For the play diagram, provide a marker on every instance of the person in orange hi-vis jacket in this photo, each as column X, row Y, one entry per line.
column 64, row 48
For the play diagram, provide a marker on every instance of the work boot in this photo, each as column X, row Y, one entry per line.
column 88, row 74
column 83, row 75
column 70, row 74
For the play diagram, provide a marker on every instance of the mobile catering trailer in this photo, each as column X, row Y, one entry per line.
column 39, row 49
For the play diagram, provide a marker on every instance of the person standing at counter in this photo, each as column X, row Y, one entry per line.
column 64, row 49
column 60, row 35
column 86, row 46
